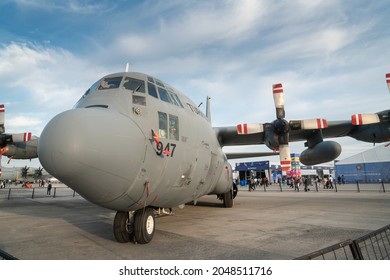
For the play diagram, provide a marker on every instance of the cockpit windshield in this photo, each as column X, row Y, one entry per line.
column 134, row 84
column 110, row 83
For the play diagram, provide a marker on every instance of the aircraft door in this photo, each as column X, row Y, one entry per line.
column 202, row 167
column 215, row 164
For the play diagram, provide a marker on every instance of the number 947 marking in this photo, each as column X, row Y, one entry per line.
column 168, row 150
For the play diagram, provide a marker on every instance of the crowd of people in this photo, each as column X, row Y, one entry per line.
column 297, row 182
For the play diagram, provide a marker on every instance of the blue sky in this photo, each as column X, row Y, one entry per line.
column 331, row 56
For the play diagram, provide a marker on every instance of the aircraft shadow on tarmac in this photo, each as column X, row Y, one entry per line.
column 87, row 213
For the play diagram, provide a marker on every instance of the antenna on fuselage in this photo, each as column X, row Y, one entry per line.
column 208, row 112
column 127, row 67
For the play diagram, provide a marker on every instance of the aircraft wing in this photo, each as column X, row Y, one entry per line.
column 319, row 150
column 228, row 136
column 236, row 155
column 373, row 128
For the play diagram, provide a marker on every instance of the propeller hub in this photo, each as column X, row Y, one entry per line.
column 281, row 126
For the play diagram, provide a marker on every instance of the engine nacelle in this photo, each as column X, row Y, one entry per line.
column 322, row 152
column 374, row 133
column 21, row 150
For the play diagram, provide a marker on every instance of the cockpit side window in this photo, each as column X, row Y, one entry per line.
column 134, row 84
column 173, row 127
column 162, row 125
column 110, row 83
column 168, row 128
column 164, row 95
column 152, row 90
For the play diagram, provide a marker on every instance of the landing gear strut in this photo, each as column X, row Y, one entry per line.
column 135, row 226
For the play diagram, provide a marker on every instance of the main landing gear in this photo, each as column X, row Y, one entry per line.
column 227, row 198
column 137, row 226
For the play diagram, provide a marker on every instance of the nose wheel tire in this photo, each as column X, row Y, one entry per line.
column 144, row 225
column 123, row 227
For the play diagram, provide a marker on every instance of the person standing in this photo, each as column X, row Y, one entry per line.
column 296, row 183
column 306, row 183
column 49, row 186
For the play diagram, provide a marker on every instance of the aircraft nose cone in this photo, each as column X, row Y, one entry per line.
column 96, row 152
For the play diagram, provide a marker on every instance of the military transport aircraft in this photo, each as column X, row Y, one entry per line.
column 17, row 145
column 136, row 145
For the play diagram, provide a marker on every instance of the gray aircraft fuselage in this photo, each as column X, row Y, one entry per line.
column 132, row 141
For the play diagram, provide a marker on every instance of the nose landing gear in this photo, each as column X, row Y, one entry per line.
column 137, row 226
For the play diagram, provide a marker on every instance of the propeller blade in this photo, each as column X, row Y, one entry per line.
column 361, row 119
column 285, row 157
column 21, row 137
column 279, row 100
column 245, row 128
column 309, row 124
column 2, row 110
column 388, row 80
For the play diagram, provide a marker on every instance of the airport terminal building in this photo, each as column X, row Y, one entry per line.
column 371, row 166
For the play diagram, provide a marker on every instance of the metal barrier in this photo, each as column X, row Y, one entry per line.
column 35, row 192
column 6, row 256
column 319, row 187
column 373, row 246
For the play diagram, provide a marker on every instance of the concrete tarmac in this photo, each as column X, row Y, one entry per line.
column 262, row 225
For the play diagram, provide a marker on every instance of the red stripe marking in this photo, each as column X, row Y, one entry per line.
column 1, row 108
column 354, row 120
column 388, row 78
column 239, row 129
column 245, row 128
column 277, row 88
column 360, row 116
column 319, row 124
column 27, row 136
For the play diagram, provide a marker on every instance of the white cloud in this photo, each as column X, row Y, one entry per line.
column 71, row 6
column 202, row 24
column 42, row 81
column 50, row 77
column 22, row 121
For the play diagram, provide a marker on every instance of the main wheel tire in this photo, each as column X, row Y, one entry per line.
column 123, row 227
column 144, row 225
column 228, row 199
